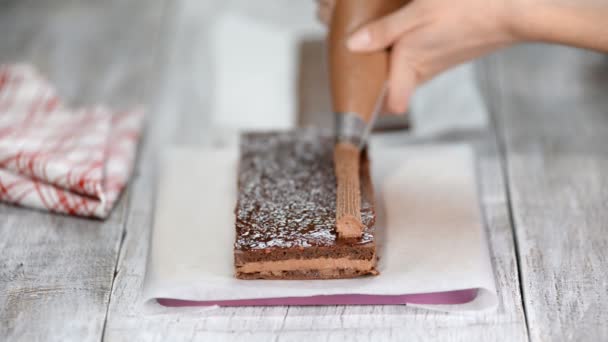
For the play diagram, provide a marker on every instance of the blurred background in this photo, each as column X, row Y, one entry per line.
column 269, row 71
column 215, row 67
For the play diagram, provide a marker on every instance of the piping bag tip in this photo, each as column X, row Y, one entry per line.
column 348, row 194
column 349, row 227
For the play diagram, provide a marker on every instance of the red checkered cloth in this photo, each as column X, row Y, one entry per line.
column 54, row 158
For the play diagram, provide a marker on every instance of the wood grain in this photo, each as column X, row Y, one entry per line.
column 65, row 278
column 56, row 272
column 180, row 119
column 553, row 119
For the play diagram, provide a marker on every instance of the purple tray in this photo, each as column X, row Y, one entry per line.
column 436, row 298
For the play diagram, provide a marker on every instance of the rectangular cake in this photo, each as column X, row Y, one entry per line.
column 286, row 209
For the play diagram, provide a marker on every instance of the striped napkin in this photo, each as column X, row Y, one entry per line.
column 59, row 159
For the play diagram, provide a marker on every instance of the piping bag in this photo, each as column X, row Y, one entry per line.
column 358, row 85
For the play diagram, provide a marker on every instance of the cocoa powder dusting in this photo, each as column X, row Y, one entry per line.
column 287, row 192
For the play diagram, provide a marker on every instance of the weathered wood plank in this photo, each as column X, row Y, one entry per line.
column 56, row 271
column 181, row 118
column 554, row 121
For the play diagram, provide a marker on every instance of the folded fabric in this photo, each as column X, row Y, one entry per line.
column 55, row 158
column 432, row 248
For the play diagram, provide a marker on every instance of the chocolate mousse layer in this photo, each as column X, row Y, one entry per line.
column 286, row 210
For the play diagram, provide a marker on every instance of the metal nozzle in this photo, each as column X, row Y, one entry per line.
column 350, row 128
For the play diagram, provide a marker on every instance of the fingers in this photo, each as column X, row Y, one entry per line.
column 383, row 32
column 324, row 10
column 402, row 81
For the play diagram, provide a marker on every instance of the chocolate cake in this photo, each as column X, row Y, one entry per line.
column 286, row 211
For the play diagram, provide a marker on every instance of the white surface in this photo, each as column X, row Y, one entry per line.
column 448, row 103
column 90, row 273
column 435, row 243
column 254, row 54
column 254, row 66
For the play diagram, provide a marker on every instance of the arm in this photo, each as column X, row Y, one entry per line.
column 581, row 23
column 427, row 37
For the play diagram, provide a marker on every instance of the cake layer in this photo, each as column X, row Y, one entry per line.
column 287, row 192
column 320, row 264
column 339, row 250
column 309, row 274
column 286, row 210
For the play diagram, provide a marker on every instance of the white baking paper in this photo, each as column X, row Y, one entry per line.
column 429, row 224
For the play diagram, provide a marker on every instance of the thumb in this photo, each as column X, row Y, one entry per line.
column 383, row 32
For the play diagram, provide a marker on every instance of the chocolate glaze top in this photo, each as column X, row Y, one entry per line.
column 287, row 192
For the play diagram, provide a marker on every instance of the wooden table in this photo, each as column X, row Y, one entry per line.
column 543, row 172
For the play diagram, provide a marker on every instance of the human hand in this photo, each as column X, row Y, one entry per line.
column 426, row 37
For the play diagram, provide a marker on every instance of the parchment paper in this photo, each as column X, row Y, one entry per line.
column 432, row 247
